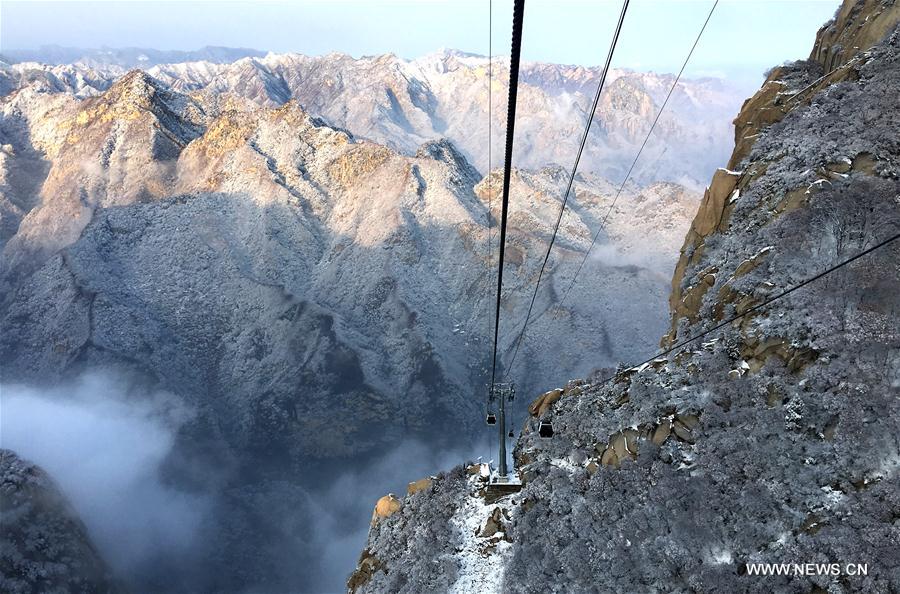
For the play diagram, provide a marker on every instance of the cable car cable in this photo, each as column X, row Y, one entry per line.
column 518, row 12
column 562, row 208
column 638, row 155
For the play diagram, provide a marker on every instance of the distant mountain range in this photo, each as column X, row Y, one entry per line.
column 125, row 57
column 403, row 103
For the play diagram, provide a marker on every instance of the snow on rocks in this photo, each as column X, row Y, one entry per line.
column 485, row 545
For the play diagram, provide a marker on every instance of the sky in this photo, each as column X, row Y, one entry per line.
column 744, row 37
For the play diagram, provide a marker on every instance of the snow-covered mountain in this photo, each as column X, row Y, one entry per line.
column 315, row 297
column 44, row 547
column 404, row 103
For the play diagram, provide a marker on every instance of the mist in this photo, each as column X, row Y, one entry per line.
column 343, row 511
column 105, row 443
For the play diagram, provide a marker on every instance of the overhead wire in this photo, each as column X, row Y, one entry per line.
column 638, row 155
column 621, row 186
column 562, row 208
column 518, row 13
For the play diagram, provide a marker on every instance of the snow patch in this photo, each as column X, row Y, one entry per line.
column 564, row 464
column 480, row 570
column 719, row 556
column 889, row 467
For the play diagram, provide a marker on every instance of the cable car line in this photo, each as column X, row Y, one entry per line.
column 759, row 306
column 518, row 10
column 638, row 155
column 620, row 189
column 562, row 207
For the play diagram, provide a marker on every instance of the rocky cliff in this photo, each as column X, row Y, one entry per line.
column 773, row 439
column 43, row 545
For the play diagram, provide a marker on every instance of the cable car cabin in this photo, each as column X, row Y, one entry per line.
column 545, row 429
column 491, row 419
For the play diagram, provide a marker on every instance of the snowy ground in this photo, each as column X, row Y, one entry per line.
column 481, row 559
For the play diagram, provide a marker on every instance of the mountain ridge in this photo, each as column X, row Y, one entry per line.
column 402, row 103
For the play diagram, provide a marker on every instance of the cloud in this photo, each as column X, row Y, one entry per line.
column 103, row 443
column 608, row 254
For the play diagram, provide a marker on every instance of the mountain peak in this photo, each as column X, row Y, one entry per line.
column 136, row 86
column 137, row 94
column 443, row 150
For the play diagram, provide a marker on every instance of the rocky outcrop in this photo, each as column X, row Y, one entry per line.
column 856, row 27
column 419, row 485
column 386, row 507
column 772, row 439
column 713, row 214
column 394, row 538
column 545, row 401
column 43, row 546
column 839, row 52
column 460, row 518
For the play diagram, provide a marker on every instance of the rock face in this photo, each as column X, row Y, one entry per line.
column 43, row 545
column 404, row 103
column 308, row 293
column 770, row 440
column 386, row 506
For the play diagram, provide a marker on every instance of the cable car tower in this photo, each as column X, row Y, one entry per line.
column 501, row 393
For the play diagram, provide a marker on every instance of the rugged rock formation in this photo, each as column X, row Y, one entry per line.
column 773, row 439
column 43, row 546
